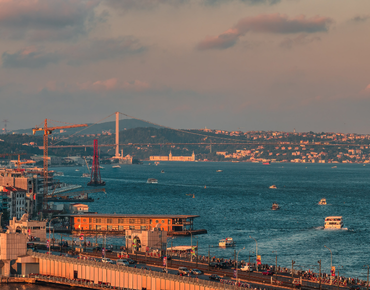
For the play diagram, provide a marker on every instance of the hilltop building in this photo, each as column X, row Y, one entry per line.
column 170, row 157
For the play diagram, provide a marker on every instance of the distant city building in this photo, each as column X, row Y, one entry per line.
column 170, row 157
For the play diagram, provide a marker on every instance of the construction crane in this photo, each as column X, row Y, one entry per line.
column 11, row 154
column 83, row 192
column 19, row 163
column 47, row 131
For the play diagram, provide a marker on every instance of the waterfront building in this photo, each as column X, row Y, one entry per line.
column 78, row 208
column 35, row 229
column 119, row 223
column 153, row 241
column 170, row 157
column 13, row 201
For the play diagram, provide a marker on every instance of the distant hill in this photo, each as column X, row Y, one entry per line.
column 98, row 128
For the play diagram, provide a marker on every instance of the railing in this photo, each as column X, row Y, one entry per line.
column 137, row 271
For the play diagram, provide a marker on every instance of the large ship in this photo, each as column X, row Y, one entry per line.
column 228, row 242
column 333, row 222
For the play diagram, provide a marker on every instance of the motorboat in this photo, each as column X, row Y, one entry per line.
column 322, row 201
column 333, row 222
column 116, row 166
column 228, row 242
column 162, row 171
column 334, row 167
column 58, row 173
column 275, row 206
column 219, row 170
column 86, row 175
column 266, row 163
column 273, row 186
column 152, row 180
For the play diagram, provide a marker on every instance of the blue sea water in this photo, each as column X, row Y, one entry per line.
column 237, row 203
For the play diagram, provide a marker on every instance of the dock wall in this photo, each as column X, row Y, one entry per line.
column 119, row 276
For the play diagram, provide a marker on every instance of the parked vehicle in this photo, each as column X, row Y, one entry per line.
column 107, row 260
column 122, row 262
column 196, row 272
column 215, row 277
column 183, row 271
column 131, row 261
column 248, row 268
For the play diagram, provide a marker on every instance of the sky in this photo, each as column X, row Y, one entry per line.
column 231, row 65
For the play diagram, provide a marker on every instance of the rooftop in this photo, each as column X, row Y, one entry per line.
column 103, row 215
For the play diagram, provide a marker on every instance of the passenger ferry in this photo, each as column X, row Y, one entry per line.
column 152, row 180
column 322, row 201
column 333, row 222
column 228, row 242
column 275, row 206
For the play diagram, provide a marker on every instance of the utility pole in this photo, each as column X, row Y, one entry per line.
column 209, row 255
column 338, row 278
column 197, row 255
column 235, row 259
column 319, row 261
column 293, row 262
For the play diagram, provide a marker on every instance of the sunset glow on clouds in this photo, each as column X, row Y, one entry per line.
column 273, row 23
column 248, row 64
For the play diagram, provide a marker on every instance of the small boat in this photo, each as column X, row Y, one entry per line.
column 205, row 186
column 273, row 186
column 334, row 167
column 266, row 163
column 193, row 195
column 77, row 170
column 152, row 180
column 116, row 166
column 219, row 170
column 162, row 171
column 58, row 174
column 275, row 206
column 86, row 175
column 228, row 242
column 189, row 194
column 322, row 201
column 333, row 222
column 101, row 167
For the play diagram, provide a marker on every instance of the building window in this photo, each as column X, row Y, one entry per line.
column 78, row 220
column 132, row 227
column 109, row 221
column 84, row 220
column 120, row 228
column 90, row 220
column 156, row 221
column 131, row 221
column 98, row 220
column 143, row 227
column 150, row 221
column 162, row 221
column 98, row 227
column 169, row 221
column 90, row 227
column 109, row 228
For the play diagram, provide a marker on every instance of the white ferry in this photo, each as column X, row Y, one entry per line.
column 333, row 222
column 322, row 201
column 228, row 242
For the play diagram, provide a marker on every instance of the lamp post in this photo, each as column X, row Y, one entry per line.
column 331, row 263
column 49, row 233
column 167, row 254
column 275, row 265
column 367, row 281
column 236, row 265
column 256, row 251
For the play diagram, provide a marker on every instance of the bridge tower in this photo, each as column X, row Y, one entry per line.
column 95, row 169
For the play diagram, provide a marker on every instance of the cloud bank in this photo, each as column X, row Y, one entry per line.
column 46, row 20
column 268, row 23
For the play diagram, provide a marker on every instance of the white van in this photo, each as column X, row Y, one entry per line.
column 107, row 260
column 248, row 268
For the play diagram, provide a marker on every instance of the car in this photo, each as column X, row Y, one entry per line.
column 196, row 272
column 96, row 249
column 183, row 271
column 131, row 261
column 268, row 273
column 215, row 277
column 122, row 262
column 247, row 268
column 107, row 260
column 355, row 287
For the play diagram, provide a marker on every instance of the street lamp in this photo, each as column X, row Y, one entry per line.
column 367, row 282
column 167, row 254
column 275, row 265
column 49, row 233
column 236, row 265
column 256, row 252
column 331, row 263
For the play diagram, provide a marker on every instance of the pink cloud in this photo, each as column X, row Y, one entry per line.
column 267, row 23
column 366, row 90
